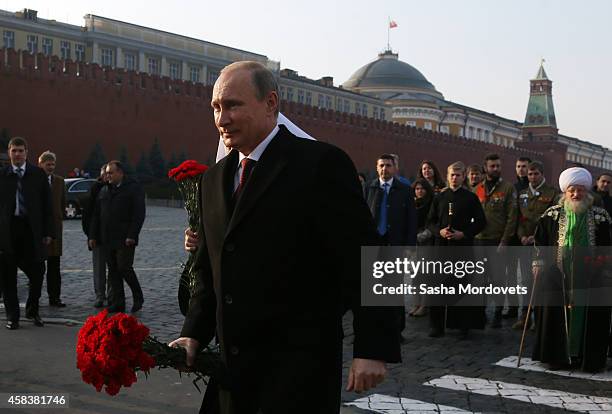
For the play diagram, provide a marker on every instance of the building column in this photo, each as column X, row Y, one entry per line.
column 119, row 60
column 142, row 64
column 204, row 74
column 185, row 69
column 163, row 71
column 95, row 51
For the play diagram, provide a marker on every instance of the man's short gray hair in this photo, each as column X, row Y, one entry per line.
column 263, row 79
column 47, row 156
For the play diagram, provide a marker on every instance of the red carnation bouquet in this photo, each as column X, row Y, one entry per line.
column 110, row 349
column 187, row 176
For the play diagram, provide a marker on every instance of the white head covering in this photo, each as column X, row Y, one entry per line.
column 575, row 176
column 222, row 150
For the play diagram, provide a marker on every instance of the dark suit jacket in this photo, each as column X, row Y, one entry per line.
column 275, row 275
column 37, row 195
column 119, row 214
column 401, row 212
column 58, row 200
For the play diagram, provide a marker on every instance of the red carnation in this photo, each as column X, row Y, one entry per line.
column 110, row 349
column 187, row 169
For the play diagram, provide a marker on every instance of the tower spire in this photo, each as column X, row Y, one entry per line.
column 540, row 120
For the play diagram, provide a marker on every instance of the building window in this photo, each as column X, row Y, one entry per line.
column 194, row 74
column 9, row 39
column 375, row 112
column 65, row 49
column 357, row 108
column 382, row 113
column 364, row 110
column 79, row 52
column 212, row 77
column 461, row 131
column 106, row 56
column 300, row 96
column 486, row 135
column 328, row 103
column 129, row 61
column 411, row 123
column 471, row 132
column 282, row 91
column 174, row 70
column 154, row 66
column 427, row 125
column 290, row 94
column 444, row 129
column 320, row 101
column 308, row 98
column 479, row 134
column 47, row 46
column 32, row 43
column 347, row 106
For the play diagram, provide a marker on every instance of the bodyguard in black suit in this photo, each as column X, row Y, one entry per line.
column 26, row 225
column 278, row 260
column 391, row 203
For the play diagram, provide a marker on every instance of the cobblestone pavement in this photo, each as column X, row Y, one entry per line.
column 157, row 263
column 437, row 375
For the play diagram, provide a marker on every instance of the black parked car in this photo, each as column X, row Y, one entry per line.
column 77, row 191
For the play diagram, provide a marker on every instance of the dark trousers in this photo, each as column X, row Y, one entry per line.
column 22, row 257
column 54, row 278
column 497, row 269
column 99, row 273
column 437, row 317
column 282, row 389
column 120, row 263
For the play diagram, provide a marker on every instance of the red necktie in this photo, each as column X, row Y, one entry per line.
column 247, row 167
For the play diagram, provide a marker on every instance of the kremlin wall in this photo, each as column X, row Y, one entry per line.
column 68, row 107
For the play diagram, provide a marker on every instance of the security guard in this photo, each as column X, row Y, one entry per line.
column 532, row 203
column 498, row 199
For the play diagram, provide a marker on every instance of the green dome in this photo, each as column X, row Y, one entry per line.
column 389, row 72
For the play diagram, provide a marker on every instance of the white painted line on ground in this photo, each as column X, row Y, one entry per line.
column 386, row 404
column 528, row 365
column 525, row 393
column 138, row 269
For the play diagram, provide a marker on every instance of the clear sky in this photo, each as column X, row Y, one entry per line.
column 480, row 53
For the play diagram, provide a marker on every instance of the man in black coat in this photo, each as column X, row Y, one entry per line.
column 391, row 203
column 26, row 225
column 115, row 225
column 283, row 220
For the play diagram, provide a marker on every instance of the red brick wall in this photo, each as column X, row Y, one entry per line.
column 46, row 102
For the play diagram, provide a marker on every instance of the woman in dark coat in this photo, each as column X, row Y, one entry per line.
column 423, row 197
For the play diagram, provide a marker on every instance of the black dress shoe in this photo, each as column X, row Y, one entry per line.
column 35, row 317
column 137, row 306
column 12, row 325
column 57, row 303
column 99, row 303
column 436, row 333
column 114, row 309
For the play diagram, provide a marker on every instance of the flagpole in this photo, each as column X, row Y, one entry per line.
column 388, row 32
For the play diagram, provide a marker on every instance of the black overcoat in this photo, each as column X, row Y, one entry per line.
column 277, row 271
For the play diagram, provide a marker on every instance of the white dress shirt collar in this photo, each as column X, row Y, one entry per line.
column 381, row 182
column 23, row 167
column 255, row 155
